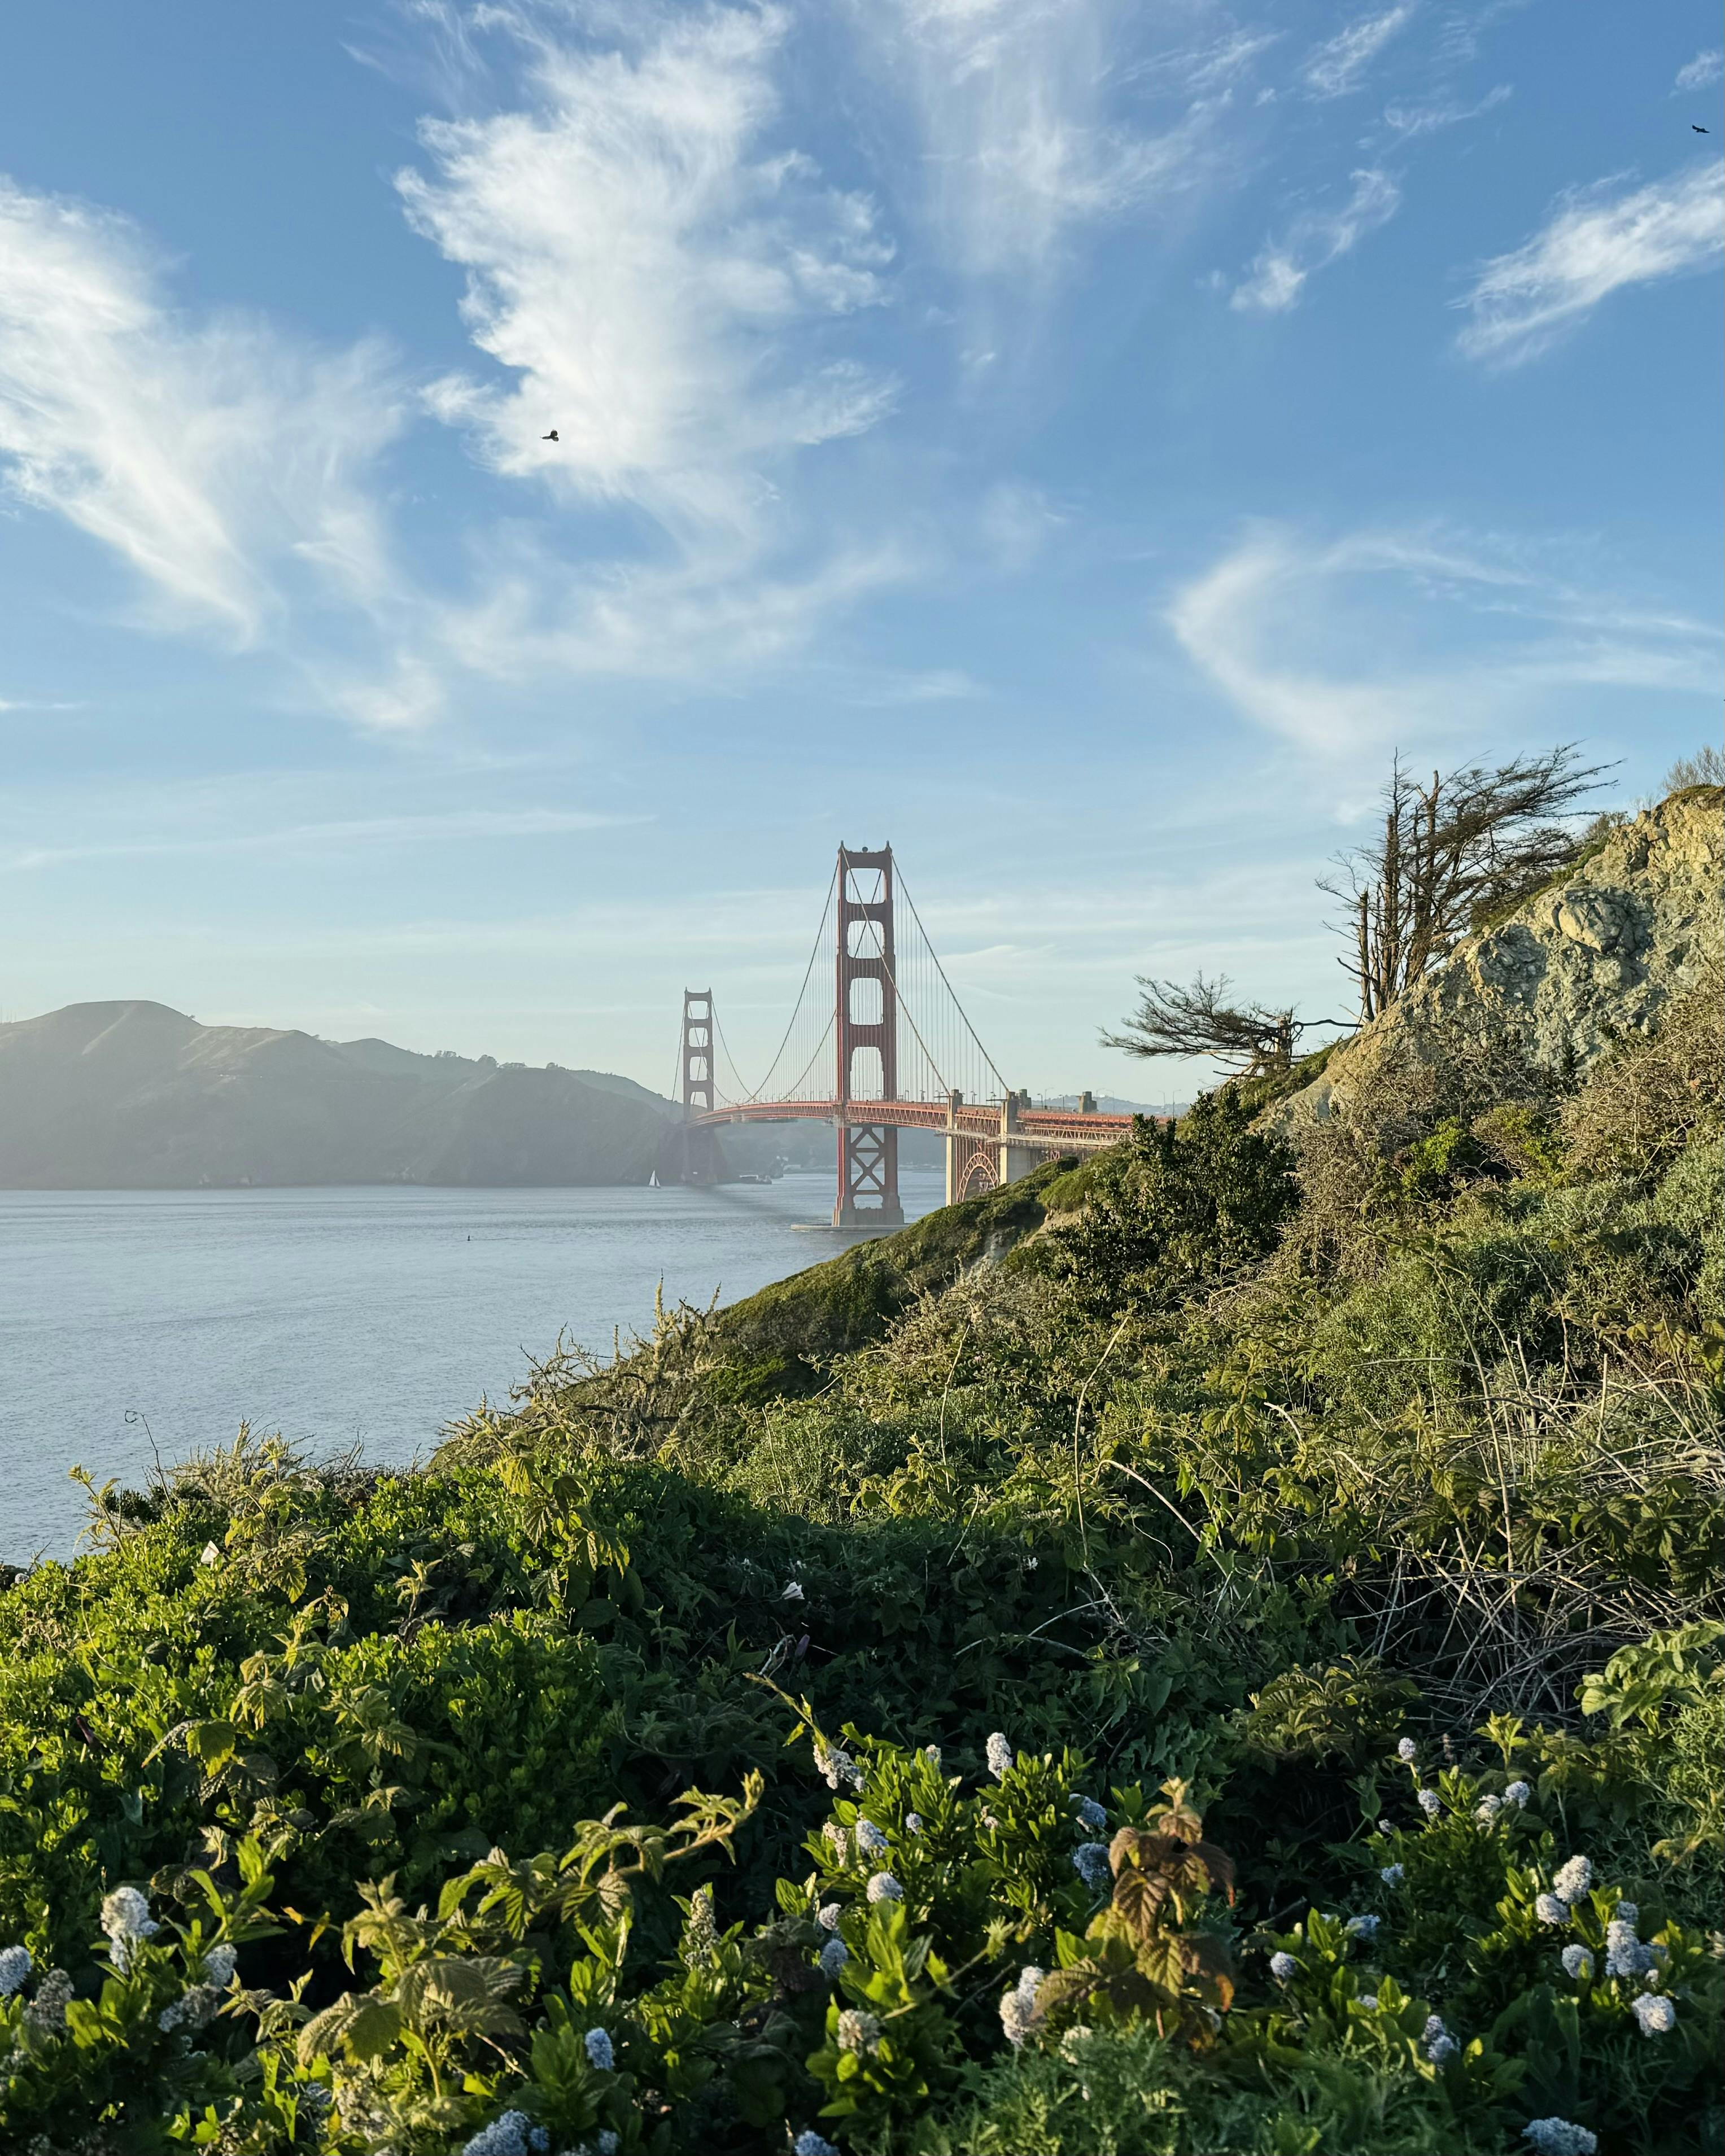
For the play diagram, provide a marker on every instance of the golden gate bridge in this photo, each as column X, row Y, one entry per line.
column 881, row 1045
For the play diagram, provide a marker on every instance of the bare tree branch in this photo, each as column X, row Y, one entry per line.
column 1450, row 855
column 1173, row 1020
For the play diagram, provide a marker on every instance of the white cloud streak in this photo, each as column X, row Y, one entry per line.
column 1338, row 68
column 1026, row 138
column 222, row 462
column 639, row 261
column 1408, row 121
column 1464, row 634
column 1315, row 239
column 1597, row 242
column 1705, row 69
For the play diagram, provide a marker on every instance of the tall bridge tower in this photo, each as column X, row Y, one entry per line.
column 698, row 1096
column 866, row 1026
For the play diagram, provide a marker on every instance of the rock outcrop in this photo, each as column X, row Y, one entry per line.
column 1578, row 966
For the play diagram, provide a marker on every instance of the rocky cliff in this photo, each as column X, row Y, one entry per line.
column 1582, row 963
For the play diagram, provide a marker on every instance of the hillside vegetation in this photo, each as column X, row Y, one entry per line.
column 1217, row 1648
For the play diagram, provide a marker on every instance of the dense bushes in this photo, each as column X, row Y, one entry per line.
column 1335, row 1540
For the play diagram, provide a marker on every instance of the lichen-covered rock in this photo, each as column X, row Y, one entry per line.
column 1578, row 966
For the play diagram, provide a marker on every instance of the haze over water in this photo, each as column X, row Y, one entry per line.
column 129, row 1317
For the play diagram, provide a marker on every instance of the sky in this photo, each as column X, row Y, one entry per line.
column 1077, row 443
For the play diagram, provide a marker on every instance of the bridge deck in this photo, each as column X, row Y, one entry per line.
column 1041, row 1129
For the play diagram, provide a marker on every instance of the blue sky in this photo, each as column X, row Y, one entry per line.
column 1076, row 441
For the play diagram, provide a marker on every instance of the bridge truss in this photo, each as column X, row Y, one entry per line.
column 891, row 1049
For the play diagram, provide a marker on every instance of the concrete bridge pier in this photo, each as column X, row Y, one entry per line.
column 1016, row 1161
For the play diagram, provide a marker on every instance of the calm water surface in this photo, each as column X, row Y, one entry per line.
column 133, row 1317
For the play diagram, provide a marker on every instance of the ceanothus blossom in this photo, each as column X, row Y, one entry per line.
column 913, row 1822
column 14, row 1968
column 1407, row 1751
column 1000, row 1753
column 870, row 1839
column 1559, row 2136
column 1550, row 1910
column 1624, row 1954
column 882, row 1886
column 1363, row 1927
column 1092, row 1815
column 1017, row 2009
column 1573, row 1879
column 808, row 2142
column 1487, row 1808
column 1429, row 1802
column 511, row 2134
column 828, row 1916
column 836, row 1767
column 833, row 1955
column 220, row 1964
column 858, row 2031
column 1283, row 1967
column 1518, row 1793
column 1578, row 1962
column 600, row 2054
column 1655, row 2013
column 1440, row 2046
column 1392, row 1875
column 126, row 1920
column 1090, row 1860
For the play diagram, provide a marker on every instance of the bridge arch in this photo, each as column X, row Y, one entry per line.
column 980, row 1172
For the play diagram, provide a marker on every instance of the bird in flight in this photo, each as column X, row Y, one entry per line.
column 1694, row 130
column 551, row 437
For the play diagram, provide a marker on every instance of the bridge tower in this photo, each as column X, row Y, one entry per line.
column 866, row 1018
column 696, row 1150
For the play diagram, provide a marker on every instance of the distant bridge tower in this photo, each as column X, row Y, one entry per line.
column 697, row 1052
column 866, row 1020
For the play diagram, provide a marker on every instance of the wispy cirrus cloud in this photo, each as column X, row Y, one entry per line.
column 640, row 263
column 227, row 465
column 1339, row 66
column 1029, row 133
column 1314, row 239
column 1599, row 240
column 1705, row 69
column 1464, row 632
column 1408, row 121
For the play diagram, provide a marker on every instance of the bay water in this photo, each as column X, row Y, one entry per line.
column 136, row 1325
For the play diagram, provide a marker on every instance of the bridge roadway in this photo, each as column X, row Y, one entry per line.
column 989, row 1143
column 1037, row 1130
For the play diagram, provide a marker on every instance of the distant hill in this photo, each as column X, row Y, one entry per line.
column 134, row 1095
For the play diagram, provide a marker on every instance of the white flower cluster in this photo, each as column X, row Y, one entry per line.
column 1550, row 1909
column 1369, row 1999
column 1282, row 1967
column 858, row 2032
column 932, row 1751
column 1578, row 1962
column 1440, row 2045
column 510, row 2133
column 882, row 1886
column 1559, row 2136
column 1017, row 2009
column 1092, row 1815
column 126, row 1919
column 1363, row 1927
column 808, row 2142
column 1655, row 2015
column 837, row 1768
column 1090, row 1860
column 837, row 1840
column 1429, row 1802
column 220, row 1964
column 793, row 1591
column 870, row 1839
column 191, row 2009
column 999, row 1756
column 1407, row 1751
column 1624, row 1954
column 1487, row 1810
column 913, row 1822
column 833, row 1955
column 1573, row 1879
column 600, row 2054
column 1392, row 1875
column 828, row 1916
column 1518, row 1793
column 14, row 1968
column 46, row 2014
